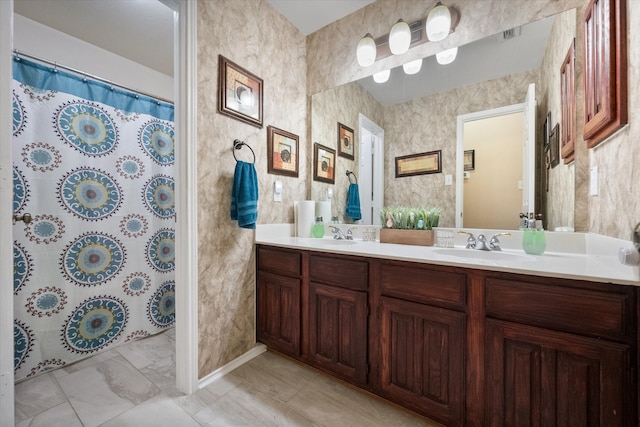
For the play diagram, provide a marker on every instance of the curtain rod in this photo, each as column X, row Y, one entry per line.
column 20, row 54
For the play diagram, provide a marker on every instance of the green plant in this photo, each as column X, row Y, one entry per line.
column 406, row 218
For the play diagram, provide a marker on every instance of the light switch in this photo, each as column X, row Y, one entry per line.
column 593, row 181
column 448, row 180
column 277, row 191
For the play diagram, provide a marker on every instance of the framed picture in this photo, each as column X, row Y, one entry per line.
column 469, row 160
column 419, row 164
column 283, row 152
column 324, row 164
column 239, row 93
column 346, row 143
column 554, row 146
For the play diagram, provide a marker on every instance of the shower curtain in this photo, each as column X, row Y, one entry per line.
column 94, row 268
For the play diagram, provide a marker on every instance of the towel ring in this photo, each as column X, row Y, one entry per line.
column 349, row 173
column 237, row 144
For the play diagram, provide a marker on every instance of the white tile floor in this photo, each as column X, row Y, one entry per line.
column 134, row 385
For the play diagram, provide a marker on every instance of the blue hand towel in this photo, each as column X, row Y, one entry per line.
column 244, row 195
column 353, row 203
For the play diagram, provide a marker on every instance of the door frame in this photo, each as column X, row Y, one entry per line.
column 377, row 165
column 185, row 102
column 466, row 118
column 6, row 213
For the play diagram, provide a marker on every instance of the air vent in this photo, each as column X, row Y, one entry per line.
column 416, row 31
column 512, row 33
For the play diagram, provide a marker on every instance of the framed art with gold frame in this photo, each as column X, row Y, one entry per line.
column 346, row 142
column 419, row 164
column 282, row 152
column 239, row 93
column 324, row 164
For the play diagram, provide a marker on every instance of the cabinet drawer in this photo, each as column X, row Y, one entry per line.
column 587, row 312
column 424, row 285
column 279, row 261
column 338, row 271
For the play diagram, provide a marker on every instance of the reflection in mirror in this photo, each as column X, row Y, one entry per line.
column 418, row 113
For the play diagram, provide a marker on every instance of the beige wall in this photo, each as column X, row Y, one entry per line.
column 342, row 104
column 560, row 196
column 255, row 36
column 492, row 198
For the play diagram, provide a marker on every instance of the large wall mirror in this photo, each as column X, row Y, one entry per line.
column 418, row 113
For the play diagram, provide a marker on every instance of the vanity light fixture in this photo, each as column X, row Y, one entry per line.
column 382, row 76
column 399, row 38
column 438, row 24
column 366, row 51
column 447, row 56
column 412, row 67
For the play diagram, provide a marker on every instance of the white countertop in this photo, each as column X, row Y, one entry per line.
column 581, row 256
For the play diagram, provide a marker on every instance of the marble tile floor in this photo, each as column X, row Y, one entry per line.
column 134, row 385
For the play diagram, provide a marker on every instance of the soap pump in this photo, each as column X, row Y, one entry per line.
column 534, row 241
column 317, row 229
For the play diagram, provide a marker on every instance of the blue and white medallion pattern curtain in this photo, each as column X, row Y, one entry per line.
column 93, row 165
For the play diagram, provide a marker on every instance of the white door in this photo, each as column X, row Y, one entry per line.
column 371, row 175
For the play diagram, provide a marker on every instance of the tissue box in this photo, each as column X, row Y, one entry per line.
column 407, row 237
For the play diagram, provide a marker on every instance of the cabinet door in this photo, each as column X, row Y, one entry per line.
column 279, row 312
column 537, row 377
column 605, row 69
column 422, row 350
column 338, row 331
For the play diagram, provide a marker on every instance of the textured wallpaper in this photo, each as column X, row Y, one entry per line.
column 560, row 197
column 342, row 104
column 275, row 52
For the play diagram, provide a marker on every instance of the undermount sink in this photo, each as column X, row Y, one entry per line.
column 474, row 254
column 337, row 242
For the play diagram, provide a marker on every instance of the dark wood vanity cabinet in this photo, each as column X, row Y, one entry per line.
column 559, row 353
column 605, row 69
column 458, row 345
column 278, row 299
column 338, row 307
column 421, row 339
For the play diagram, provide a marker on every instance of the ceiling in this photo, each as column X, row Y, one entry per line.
column 142, row 30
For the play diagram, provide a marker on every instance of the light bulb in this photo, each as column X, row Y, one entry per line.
column 366, row 51
column 412, row 67
column 382, row 76
column 438, row 23
column 447, row 56
column 399, row 38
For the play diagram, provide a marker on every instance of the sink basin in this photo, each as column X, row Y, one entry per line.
column 337, row 242
column 473, row 254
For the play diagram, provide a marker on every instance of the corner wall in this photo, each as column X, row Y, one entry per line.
column 255, row 36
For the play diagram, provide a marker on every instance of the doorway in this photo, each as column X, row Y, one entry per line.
column 526, row 184
column 371, row 159
column 185, row 90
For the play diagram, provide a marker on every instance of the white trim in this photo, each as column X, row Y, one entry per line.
column 238, row 361
column 185, row 65
column 6, row 225
column 377, row 165
column 462, row 119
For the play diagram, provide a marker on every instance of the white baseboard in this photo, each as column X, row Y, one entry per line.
column 238, row 361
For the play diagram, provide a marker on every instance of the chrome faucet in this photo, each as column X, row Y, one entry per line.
column 480, row 243
column 339, row 235
column 494, row 243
